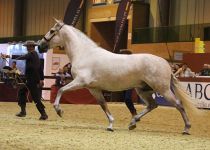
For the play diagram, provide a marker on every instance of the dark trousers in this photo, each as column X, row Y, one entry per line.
column 35, row 92
column 129, row 102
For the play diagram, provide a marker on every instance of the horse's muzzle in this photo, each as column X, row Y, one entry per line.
column 43, row 47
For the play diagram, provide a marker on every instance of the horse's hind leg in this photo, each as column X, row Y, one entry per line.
column 177, row 103
column 146, row 96
column 101, row 100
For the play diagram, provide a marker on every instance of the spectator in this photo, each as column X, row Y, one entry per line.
column 59, row 77
column 205, row 71
column 14, row 68
column 68, row 68
column 184, row 71
column 62, row 77
column 174, row 68
column 67, row 75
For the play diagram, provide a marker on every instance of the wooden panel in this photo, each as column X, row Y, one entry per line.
column 42, row 17
column 27, row 19
column 161, row 49
column 197, row 65
column 40, row 13
column 37, row 22
column 103, row 11
column 190, row 12
column 140, row 15
column 103, row 34
column 9, row 19
column 207, row 46
column 6, row 17
column 108, row 13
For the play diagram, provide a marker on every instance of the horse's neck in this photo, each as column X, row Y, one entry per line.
column 76, row 43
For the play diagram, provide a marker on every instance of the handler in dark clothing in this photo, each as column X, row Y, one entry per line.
column 34, row 80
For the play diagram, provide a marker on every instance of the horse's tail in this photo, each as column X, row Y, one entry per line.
column 187, row 101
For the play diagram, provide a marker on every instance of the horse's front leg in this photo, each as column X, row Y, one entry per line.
column 102, row 102
column 74, row 85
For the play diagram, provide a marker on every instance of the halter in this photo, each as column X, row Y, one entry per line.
column 53, row 33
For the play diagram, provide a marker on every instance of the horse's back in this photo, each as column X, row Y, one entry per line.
column 157, row 73
column 148, row 64
column 116, row 72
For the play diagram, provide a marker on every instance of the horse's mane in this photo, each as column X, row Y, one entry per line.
column 83, row 37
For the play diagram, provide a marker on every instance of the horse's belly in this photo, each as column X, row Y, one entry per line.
column 115, row 85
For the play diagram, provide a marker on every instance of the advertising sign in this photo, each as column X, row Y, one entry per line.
column 200, row 91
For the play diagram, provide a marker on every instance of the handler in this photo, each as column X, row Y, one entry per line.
column 34, row 80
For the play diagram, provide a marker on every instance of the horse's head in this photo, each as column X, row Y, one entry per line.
column 52, row 38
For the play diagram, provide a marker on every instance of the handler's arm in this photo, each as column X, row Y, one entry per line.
column 22, row 57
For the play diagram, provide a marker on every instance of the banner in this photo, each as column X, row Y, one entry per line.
column 199, row 91
column 73, row 12
column 121, row 18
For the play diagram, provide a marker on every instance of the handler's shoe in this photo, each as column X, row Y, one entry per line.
column 21, row 114
column 43, row 117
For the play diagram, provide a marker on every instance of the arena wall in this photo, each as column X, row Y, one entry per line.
column 100, row 14
column 161, row 49
column 6, row 18
column 38, row 19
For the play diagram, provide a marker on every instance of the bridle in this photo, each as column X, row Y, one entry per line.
column 53, row 33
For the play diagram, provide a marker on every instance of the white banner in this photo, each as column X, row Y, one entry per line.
column 199, row 91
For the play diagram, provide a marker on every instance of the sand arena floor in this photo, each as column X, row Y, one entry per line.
column 83, row 128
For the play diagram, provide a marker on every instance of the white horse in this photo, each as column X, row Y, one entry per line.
column 97, row 69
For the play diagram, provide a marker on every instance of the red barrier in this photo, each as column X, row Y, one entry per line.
column 7, row 93
column 81, row 96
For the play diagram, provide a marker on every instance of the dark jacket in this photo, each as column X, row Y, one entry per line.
column 33, row 70
column 205, row 72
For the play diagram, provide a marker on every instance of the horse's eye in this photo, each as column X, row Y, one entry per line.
column 51, row 31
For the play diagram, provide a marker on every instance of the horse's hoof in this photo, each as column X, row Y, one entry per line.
column 185, row 133
column 60, row 113
column 132, row 126
column 110, row 129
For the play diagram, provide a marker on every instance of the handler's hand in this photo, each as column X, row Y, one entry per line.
column 4, row 56
column 41, row 83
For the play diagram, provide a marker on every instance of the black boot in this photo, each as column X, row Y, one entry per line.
column 41, row 110
column 22, row 113
column 43, row 116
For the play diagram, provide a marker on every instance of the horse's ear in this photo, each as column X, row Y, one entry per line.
column 56, row 20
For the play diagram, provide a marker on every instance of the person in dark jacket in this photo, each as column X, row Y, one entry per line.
column 34, row 80
column 205, row 71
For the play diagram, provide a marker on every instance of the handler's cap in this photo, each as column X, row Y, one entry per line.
column 30, row 42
